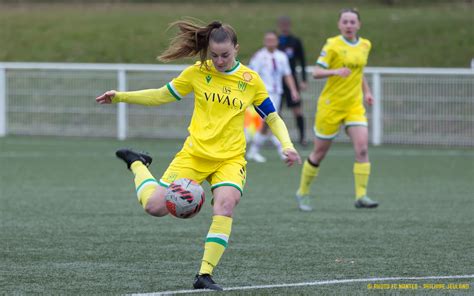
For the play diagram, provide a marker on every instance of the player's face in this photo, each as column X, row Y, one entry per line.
column 270, row 41
column 284, row 26
column 349, row 25
column 223, row 55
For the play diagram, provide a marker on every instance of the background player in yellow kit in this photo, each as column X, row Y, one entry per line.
column 342, row 61
column 214, row 151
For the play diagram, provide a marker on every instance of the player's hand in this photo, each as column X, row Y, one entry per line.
column 292, row 156
column 303, row 85
column 343, row 72
column 369, row 99
column 295, row 96
column 106, row 98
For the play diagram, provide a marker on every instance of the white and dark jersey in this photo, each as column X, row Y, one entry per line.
column 271, row 66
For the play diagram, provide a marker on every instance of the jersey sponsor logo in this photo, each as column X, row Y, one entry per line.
column 226, row 89
column 241, row 85
column 352, row 66
column 247, row 76
column 208, row 78
column 323, row 54
column 171, row 176
column 234, row 103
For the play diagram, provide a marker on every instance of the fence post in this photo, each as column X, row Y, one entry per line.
column 122, row 119
column 3, row 102
column 377, row 120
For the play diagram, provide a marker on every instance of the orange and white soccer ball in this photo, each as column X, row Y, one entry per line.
column 184, row 198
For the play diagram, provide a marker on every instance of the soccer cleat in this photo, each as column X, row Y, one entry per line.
column 257, row 157
column 204, row 281
column 365, row 202
column 129, row 157
column 304, row 202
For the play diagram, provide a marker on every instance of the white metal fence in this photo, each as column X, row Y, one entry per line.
column 413, row 105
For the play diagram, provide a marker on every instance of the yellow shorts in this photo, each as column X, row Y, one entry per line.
column 230, row 172
column 328, row 122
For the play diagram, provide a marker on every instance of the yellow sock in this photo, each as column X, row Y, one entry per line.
column 361, row 178
column 216, row 242
column 145, row 183
column 308, row 173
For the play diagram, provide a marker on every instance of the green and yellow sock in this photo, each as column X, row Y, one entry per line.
column 145, row 183
column 216, row 243
column 361, row 178
column 308, row 174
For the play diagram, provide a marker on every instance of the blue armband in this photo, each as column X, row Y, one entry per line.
column 265, row 108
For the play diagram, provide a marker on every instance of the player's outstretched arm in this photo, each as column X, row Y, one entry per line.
column 147, row 97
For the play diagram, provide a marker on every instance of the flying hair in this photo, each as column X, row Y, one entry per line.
column 193, row 39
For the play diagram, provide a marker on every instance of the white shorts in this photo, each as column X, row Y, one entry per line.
column 276, row 100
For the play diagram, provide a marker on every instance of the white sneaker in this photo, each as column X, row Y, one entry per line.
column 257, row 157
column 304, row 203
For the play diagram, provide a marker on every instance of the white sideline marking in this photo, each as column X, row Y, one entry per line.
column 316, row 283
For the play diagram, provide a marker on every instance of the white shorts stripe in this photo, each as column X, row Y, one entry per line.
column 226, row 182
column 350, row 123
column 162, row 182
column 325, row 137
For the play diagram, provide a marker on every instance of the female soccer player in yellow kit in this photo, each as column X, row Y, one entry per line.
column 342, row 61
column 214, row 150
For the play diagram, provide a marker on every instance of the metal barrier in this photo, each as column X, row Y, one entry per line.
column 431, row 106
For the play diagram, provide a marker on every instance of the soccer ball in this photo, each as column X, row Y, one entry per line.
column 184, row 198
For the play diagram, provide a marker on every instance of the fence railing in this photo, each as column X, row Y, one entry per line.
column 430, row 106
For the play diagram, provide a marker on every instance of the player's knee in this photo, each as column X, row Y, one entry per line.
column 362, row 152
column 225, row 207
column 153, row 209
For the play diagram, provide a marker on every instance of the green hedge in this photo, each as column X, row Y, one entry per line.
column 438, row 35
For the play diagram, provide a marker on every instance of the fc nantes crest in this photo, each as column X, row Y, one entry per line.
column 242, row 85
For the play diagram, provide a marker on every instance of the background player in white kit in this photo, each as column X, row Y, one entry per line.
column 273, row 66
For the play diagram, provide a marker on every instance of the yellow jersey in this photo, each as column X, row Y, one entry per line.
column 341, row 93
column 216, row 130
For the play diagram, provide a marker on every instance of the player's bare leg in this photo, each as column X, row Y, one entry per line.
column 150, row 195
column 156, row 205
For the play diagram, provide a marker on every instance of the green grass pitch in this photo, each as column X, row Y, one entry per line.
column 70, row 223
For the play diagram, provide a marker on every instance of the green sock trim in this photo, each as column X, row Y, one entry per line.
column 144, row 182
column 217, row 241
